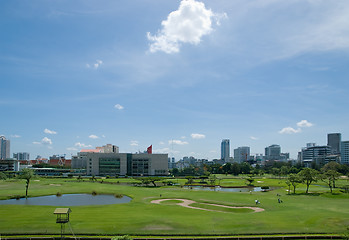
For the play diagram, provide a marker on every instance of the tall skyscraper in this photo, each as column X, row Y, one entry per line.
column 241, row 154
column 225, row 150
column 4, row 148
column 334, row 141
column 345, row 152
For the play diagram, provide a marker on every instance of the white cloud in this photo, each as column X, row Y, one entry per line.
column 96, row 65
column 177, row 142
column 186, row 25
column 119, row 107
column 161, row 143
column 15, row 136
column 49, row 131
column 93, row 136
column 46, row 141
column 183, row 137
column 253, row 138
column 82, row 145
column 103, row 136
column 134, row 143
column 289, row 130
column 197, row 136
column 304, row 123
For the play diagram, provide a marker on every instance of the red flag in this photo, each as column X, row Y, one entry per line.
column 150, row 149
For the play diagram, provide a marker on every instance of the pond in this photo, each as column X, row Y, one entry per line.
column 220, row 189
column 69, row 200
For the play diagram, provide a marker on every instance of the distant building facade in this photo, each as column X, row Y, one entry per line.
column 273, row 152
column 334, row 141
column 112, row 164
column 345, row 152
column 225, row 150
column 4, row 148
column 22, row 156
column 241, row 154
column 316, row 155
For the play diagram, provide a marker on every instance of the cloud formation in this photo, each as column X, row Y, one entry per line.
column 301, row 124
column 96, row 65
column 82, row 145
column 45, row 141
column 92, row 136
column 49, row 131
column 188, row 24
column 118, row 106
column 197, row 136
column 15, row 136
column 253, row 138
column 304, row 123
column 178, row 142
column 290, row 130
column 134, row 143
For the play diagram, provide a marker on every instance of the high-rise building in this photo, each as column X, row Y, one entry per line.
column 316, row 154
column 345, row 152
column 4, row 148
column 21, row 156
column 334, row 141
column 241, row 154
column 225, row 150
column 273, row 152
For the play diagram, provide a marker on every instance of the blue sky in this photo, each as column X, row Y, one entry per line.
column 180, row 75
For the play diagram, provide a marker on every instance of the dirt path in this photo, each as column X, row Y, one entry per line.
column 186, row 203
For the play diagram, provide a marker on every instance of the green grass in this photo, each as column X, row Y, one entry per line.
column 221, row 209
column 320, row 212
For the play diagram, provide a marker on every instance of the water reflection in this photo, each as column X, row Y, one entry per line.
column 68, row 200
column 245, row 189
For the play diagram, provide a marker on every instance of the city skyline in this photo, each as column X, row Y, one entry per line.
column 83, row 74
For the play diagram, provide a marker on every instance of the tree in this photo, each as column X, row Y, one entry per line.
column 2, row 176
column 27, row 174
column 329, row 177
column 308, row 175
column 147, row 180
column 284, row 170
column 275, row 171
column 294, row 179
column 250, row 180
column 334, row 166
column 235, row 169
column 288, row 183
column 213, row 179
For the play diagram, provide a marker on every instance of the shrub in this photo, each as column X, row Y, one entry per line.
column 265, row 188
column 58, row 194
column 94, row 193
column 107, row 176
column 118, row 195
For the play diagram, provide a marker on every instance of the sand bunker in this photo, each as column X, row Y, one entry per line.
column 186, row 203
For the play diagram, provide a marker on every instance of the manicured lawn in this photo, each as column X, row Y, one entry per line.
column 318, row 212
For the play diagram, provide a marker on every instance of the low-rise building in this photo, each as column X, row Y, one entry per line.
column 141, row 164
